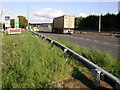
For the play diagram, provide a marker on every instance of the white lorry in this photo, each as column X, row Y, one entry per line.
column 63, row 24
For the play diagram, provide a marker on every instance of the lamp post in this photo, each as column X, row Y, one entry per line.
column 28, row 13
column 99, row 17
column 1, row 13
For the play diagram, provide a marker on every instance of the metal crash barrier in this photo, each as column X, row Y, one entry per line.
column 97, row 72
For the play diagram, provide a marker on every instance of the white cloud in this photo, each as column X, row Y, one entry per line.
column 83, row 15
column 41, row 20
column 94, row 14
column 47, row 14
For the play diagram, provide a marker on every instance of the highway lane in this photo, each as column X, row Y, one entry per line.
column 104, row 43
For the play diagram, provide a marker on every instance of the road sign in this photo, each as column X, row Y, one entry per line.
column 7, row 21
column 14, row 30
column 7, row 18
column 17, row 23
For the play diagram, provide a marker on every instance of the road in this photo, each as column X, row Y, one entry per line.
column 108, row 44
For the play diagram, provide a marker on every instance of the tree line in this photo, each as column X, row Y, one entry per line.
column 23, row 22
column 109, row 22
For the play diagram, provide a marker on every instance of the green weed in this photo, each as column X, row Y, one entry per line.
column 102, row 59
column 29, row 62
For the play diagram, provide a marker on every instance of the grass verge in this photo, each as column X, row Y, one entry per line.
column 29, row 62
column 102, row 59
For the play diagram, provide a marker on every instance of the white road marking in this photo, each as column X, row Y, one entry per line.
column 96, row 41
column 87, row 39
column 106, row 43
column 75, row 37
column 81, row 38
column 117, row 45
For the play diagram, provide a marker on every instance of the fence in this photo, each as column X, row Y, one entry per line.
column 97, row 72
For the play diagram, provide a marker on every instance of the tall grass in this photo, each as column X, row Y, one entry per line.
column 102, row 59
column 29, row 62
column 0, row 59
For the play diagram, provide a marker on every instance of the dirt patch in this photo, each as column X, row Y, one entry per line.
column 70, row 83
column 79, row 80
column 77, row 84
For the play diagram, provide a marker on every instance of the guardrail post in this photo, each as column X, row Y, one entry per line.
column 96, row 75
column 52, row 44
column 36, row 36
column 39, row 35
column 65, row 54
column 45, row 37
column 42, row 36
column 117, row 86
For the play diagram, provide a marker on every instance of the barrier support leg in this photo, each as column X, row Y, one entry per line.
column 96, row 74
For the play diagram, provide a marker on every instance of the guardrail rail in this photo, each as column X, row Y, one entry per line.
column 97, row 72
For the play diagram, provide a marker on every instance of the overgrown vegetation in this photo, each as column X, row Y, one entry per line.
column 102, row 59
column 29, row 62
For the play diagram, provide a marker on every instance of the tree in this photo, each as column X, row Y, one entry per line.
column 23, row 22
column 89, row 23
column 78, row 22
column 109, row 22
column 12, row 23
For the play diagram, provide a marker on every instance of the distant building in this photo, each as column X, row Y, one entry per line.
column 40, row 24
column 119, row 7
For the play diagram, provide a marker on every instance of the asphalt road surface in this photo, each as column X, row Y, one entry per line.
column 108, row 44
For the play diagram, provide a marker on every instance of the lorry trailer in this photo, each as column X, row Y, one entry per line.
column 63, row 24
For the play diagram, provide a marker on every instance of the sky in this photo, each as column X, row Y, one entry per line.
column 44, row 12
